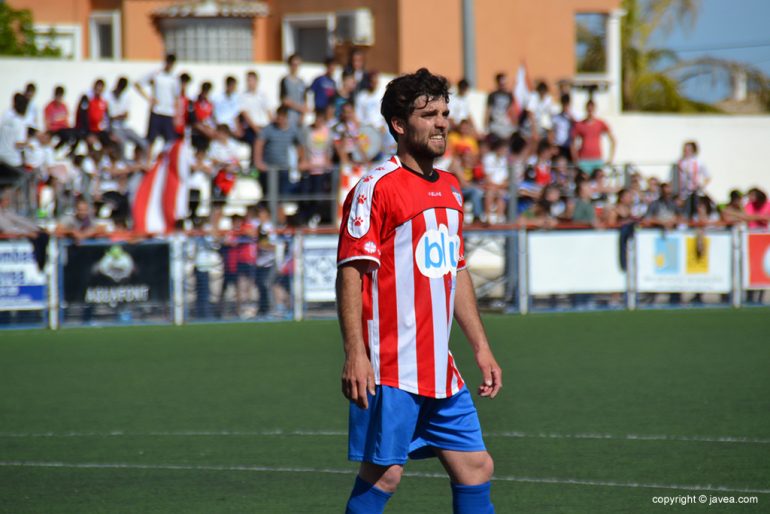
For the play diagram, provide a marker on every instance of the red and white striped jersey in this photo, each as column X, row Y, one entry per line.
column 410, row 228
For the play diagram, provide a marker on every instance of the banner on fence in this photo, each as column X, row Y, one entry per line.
column 319, row 254
column 756, row 261
column 683, row 262
column 116, row 274
column 574, row 261
column 22, row 285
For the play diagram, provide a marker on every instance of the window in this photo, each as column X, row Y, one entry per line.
column 209, row 39
column 104, row 35
column 591, row 44
column 65, row 37
column 309, row 35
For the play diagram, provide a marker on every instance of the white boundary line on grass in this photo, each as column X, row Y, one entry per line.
column 272, row 469
column 323, row 433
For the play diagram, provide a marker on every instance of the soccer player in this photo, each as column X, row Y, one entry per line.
column 401, row 277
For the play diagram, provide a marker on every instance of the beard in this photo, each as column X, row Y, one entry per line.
column 425, row 148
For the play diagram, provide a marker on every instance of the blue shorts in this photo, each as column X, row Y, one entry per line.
column 399, row 425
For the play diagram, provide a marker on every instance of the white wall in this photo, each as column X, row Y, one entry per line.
column 736, row 149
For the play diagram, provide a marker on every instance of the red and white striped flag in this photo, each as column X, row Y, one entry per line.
column 162, row 196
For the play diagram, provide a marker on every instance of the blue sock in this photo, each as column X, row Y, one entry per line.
column 367, row 499
column 472, row 499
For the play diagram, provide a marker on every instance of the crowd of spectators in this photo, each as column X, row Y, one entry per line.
column 527, row 147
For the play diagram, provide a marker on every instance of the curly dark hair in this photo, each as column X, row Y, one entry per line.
column 402, row 93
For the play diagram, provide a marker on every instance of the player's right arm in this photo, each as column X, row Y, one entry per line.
column 357, row 372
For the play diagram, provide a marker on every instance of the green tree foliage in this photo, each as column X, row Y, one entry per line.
column 17, row 34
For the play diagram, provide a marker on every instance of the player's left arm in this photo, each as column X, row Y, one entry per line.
column 467, row 316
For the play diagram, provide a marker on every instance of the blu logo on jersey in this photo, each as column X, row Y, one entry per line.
column 437, row 252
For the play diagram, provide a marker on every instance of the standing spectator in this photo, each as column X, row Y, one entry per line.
column 265, row 264
column 32, row 117
column 459, row 105
column 496, row 175
column 318, row 151
column 98, row 121
column 357, row 67
column 254, row 111
column 324, row 87
column 184, row 111
column 563, row 125
column 499, row 116
column 346, row 94
column 227, row 107
column 272, row 152
column 367, row 104
column 118, row 107
column 293, row 92
column 732, row 211
column 203, row 129
column 690, row 177
column 13, row 139
column 587, row 140
column 164, row 90
column 79, row 225
column 346, row 140
column 540, row 110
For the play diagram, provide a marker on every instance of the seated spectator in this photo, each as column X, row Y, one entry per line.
column 581, row 209
column 562, row 175
column 223, row 152
column 202, row 172
column 56, row 120
column 13, row 139
column 184, row 108
column 757, row 208
column 547, row 210
column 98, row 121
column 496, row 178
column 543, row 163
column 463, row 140
column 461, row 167
column 622, row 212
column 664, row 212
column 732, row 212
column 705, row 212
column 79, row 225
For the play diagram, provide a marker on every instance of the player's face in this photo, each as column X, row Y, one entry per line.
column 426, row 128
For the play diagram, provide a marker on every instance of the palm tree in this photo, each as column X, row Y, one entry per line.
column 653, row 77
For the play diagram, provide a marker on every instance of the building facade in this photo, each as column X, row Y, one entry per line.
column 553, row 37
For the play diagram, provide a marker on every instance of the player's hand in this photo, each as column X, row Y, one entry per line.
column 357, row 379
column 492, row 375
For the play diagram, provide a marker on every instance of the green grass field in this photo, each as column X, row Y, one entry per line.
column 600, row 412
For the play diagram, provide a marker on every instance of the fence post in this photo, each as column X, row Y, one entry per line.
column 630, row 250
column 523, row 269
column 299, row 277
column 53, row 283
column 738, row 249
column 272, row 194
column 177, row 277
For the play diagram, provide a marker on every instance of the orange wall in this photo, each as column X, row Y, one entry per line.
column 141, row 39
column 541, row 33
column 383, row 56
column 431, row 36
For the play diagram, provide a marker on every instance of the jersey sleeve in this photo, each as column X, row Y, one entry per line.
column 362, row 224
